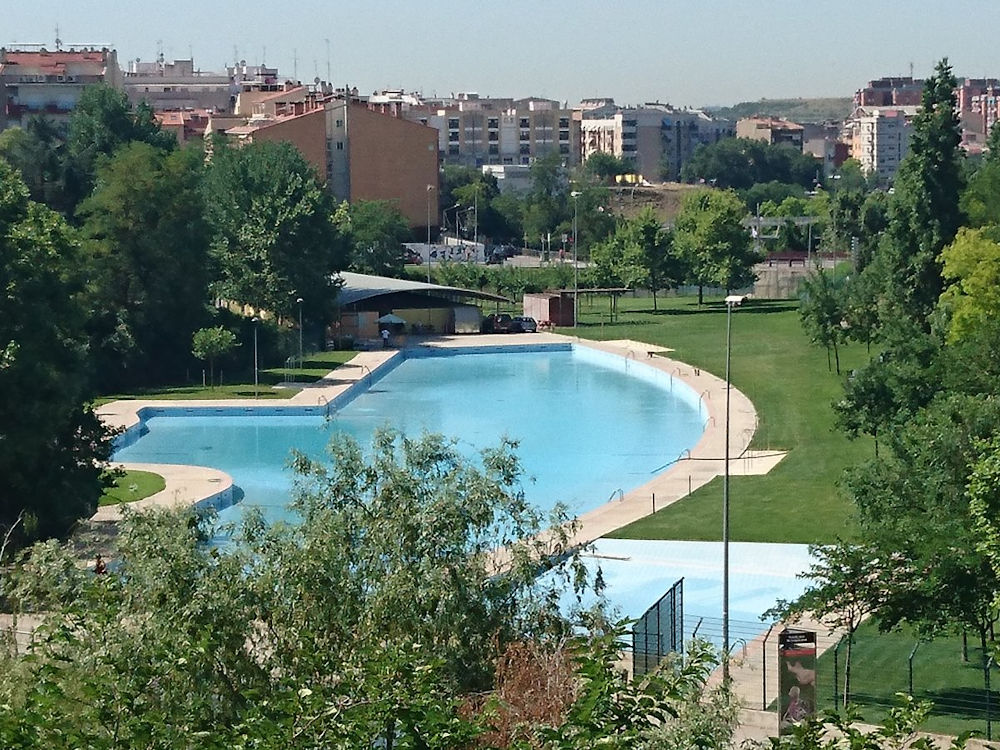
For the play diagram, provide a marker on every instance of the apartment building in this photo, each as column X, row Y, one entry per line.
column 475, row 131
column 36, row 81
column 178, row 85
column 879, row 139
column 773, row 130
column 657, row 138
column 891, row 91
column 360, row 154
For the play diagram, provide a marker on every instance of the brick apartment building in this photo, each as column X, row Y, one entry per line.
column 360, row 154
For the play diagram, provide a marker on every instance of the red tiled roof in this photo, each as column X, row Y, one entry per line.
column 52, row 61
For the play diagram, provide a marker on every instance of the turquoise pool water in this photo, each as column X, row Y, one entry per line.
column 588, row 423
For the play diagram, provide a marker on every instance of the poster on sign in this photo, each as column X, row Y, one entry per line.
column 796, row 677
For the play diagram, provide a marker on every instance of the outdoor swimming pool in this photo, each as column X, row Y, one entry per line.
column 589, row 424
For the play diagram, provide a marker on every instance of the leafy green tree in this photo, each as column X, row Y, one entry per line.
column 848, row 582
column 368, row 620
column 710, row 236
column 208, row 344
column 605, row 167
column 146, row 244
column 376, row 231
column 770, row 192
column 38, row 152
column 972, row 264
column 104, row 120
column 51, row 444
column 914, row 510
column 924, row 213
column 273, row 233
column 981, row 199
column 741, row 163
column 823, row 310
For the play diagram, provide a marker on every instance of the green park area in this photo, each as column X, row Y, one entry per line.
column 789, row 383
column 132, row 485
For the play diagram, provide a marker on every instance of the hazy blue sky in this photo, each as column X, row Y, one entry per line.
column 694, row 52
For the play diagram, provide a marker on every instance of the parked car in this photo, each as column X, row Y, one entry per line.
column 494, row 323
column 523, row 324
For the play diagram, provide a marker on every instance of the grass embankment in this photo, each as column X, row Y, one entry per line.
column 881, row 669
column 132, row 486
column 314, row 367
column 787, row 379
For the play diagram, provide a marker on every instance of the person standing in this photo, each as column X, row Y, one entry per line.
column 385, row 338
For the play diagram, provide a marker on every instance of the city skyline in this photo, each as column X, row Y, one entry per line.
column 731, row 52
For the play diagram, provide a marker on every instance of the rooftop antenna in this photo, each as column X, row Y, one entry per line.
column 58, row 40
column 295, row 64
column 236, row 57
column 911, row 69
column 328, row 74
column 263, row 56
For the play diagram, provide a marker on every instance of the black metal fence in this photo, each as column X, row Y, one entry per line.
column 660, row 631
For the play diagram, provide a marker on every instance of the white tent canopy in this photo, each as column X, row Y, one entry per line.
column 392, row 319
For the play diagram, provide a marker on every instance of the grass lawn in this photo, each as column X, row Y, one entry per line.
column 880, row 670
column 132, row 486
column 787, row 379
column 314, row 367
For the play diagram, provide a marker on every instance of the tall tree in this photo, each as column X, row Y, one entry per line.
column 104, row 120
column 823, row 308
column 274, row 236
column 38, row 153
column 710, row 236
column 972, row 264
column 146, row 243
column 376, row 231
column 924, row 213
column 51, row 444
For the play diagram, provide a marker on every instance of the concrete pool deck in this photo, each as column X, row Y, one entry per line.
column 189, row 485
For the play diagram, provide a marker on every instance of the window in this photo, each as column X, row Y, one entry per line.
column 493, row 123
column 340, row 123
column 453, row 149
column 494, row 148
column 340, row 145
column 494, row 136
column 525, row 148
column 563, row 148
column 563, row 122
column 525, row 135
column 563, row 135
column 525, row 122
column 452, row 123
column 453, row 136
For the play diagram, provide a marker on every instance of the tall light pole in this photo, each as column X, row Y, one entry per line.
column 256, row 394
column 576, row 266
column 298, row 301
column 430, row 189
column 733, row 300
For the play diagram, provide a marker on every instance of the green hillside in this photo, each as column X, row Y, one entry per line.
column 797, row 110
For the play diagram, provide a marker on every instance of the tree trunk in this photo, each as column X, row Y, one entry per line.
column 965, row 645
column 701, row 296
column 211, row 372
column 836, row 355
column 654, row 300
column 829, row 364
column 986, row 658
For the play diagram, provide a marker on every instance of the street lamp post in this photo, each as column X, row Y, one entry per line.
column 430, row 189
column 256, row 394
column 733, row 300
column 298, row 301
column 576, row 266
